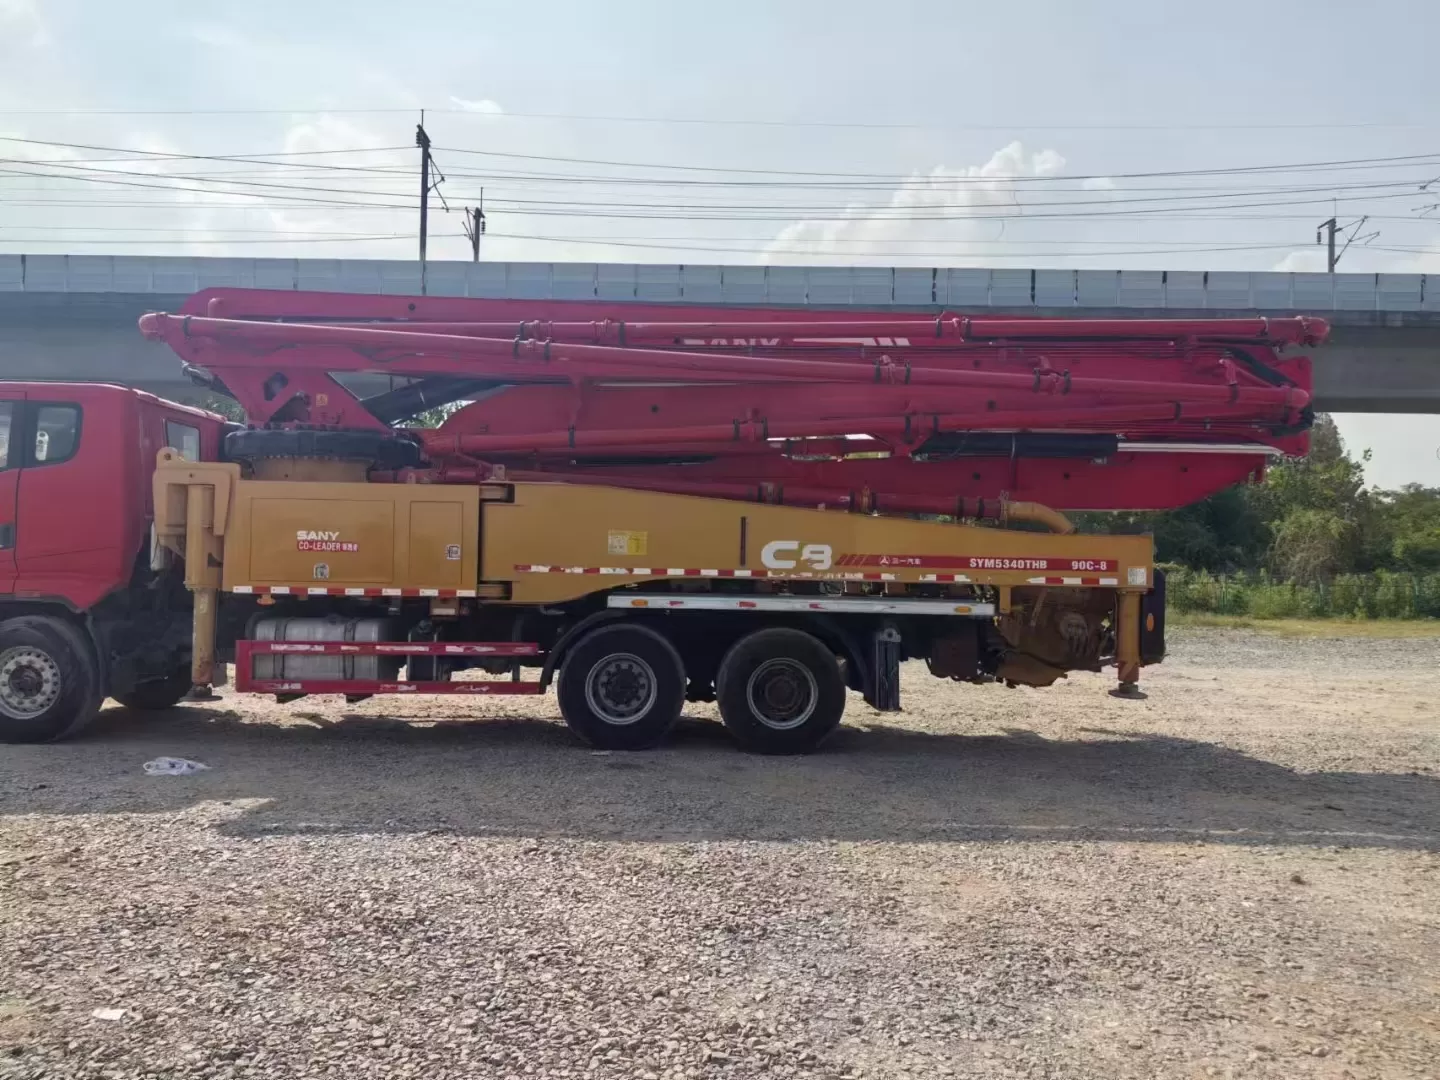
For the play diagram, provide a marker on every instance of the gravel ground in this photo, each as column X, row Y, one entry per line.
column 1235, row 877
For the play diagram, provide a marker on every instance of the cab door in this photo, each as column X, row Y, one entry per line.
column 11, row 406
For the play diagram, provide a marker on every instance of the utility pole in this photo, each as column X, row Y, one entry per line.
column 1328, row 227
column 422, row 140
column 475, row 226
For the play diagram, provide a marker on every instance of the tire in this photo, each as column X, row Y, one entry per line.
column 622, row 688
column 49, row 680
column 780, row 691
column 156, row 695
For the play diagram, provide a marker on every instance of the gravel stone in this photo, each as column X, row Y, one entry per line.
column 1236, row 877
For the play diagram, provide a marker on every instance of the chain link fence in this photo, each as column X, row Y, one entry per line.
column 1348, row 596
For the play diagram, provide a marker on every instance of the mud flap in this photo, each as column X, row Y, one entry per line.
column 885, row 663
column 1152, row 622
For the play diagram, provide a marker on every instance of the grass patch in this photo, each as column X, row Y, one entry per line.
column 1313, row 628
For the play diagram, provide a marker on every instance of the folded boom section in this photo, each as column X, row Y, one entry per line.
column 868, row 411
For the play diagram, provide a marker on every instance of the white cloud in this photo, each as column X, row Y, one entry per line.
column 1423, row 262
column 483, row 106
column 1302, row 261
column 1098, row 183
column 945, row 206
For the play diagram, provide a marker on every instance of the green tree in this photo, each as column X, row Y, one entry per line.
column 223, row 404
column 1408, row 532
column 432, row 418
column 1317, row 509
column 1312, row 545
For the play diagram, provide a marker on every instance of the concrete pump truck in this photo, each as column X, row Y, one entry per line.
column 642, row 505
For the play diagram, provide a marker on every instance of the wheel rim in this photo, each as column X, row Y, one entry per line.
column 782, row 694
column 621, row 689
column 29, row 682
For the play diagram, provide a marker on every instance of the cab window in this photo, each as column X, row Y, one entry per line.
column 57, row 434
column 7, row 414
column 183, row 439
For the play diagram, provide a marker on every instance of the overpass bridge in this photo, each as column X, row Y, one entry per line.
column 73, row 316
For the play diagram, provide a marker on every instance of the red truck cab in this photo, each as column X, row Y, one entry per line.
column 82, row 615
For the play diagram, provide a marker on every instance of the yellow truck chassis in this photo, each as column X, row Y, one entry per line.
column 314, row 581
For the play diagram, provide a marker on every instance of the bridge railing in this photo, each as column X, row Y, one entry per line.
column 821, row 286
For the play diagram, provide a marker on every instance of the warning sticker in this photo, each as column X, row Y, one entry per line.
column 452, row 552
column 624, row 542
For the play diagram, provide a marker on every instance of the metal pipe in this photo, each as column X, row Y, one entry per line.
column 1055, row 521
column 313, row 307
column 917, row 331
column 565, row 358
column 759, row 430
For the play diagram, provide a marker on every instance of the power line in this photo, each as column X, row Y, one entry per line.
column 883, row 215
column 301, row 203
column 771, row 211
column 918, row 181
column 1334, row 165
column 545, row 179
column 768, row 249
column 727, row 121
column 304, row 234
column 1431, row 160
column 310, row 200
column 137, row 155
column 1342, row 164
column 776, row 208
column 1328, row 192
column 755, row 251
column 90, row 171
column 1172, row 245
column 210, row 240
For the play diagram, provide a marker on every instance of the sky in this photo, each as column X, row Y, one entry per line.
column 779, row 131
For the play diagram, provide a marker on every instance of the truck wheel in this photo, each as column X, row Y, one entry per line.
column 157, row 694
column 49, row 680
column 622, row 688
column 780, row 691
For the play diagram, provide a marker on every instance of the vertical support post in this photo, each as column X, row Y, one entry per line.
column 1329, row 227
column 422, row 140
column 203, row 581
column 1127, row 644
column 475, row 226
column 885, row 660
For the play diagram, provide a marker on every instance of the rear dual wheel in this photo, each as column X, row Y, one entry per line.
column 780, row 691
column 623, row 686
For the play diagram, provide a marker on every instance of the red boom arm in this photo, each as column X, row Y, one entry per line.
column 915, row 413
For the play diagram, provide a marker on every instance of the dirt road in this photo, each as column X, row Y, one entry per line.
column 1236, row 877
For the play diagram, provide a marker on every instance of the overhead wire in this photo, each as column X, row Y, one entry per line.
column 1185, row 203
column 183, row 242
column 505, row 114
column 1339, row 164
column 772, row 211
